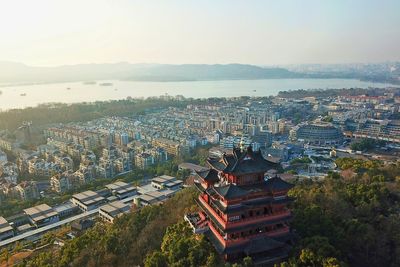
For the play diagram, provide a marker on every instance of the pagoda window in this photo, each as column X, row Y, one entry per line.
column 265, row 210
column 257, row 212
column 251, row 213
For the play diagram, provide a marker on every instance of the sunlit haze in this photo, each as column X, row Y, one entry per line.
column 47, row 33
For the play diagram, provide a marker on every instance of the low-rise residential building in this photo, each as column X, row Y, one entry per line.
column 384, row 130
column 42, row 215
column 144, row 160
column 27, row 190
column 150, row 198
column 112, row 210
column 66, row 209
column 122, row 190
column 165, row 181
column 61, row 182
column 6, row 231
column 171, row 147
column 154, row 197
column 87, row 200
column 40, row 167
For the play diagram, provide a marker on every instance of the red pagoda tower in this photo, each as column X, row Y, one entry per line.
column 243, row 212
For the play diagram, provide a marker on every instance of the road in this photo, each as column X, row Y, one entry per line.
column 46, row 228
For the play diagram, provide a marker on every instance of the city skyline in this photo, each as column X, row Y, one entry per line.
column 45, row 33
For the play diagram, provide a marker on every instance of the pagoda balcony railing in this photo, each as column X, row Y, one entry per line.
column 253, row 219
column 259, row 218
column 273, row 233
column 212, row 211
column 241, row 240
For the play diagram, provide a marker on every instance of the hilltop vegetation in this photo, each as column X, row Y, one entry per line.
column 20, row 73
column 340, row 221
column 350, row 221
column 126, row 242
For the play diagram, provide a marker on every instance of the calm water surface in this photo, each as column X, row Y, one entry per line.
column 32, row 95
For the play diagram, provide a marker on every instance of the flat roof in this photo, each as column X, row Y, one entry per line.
column 156, row 194
column 167, row 177
column 148, row 198
column 88, row 197
column 25, row 227
column 115, row 208
column 64, row 207
column 2, row 221
column 121, row 187
column 146, row 188
column 116, row 185
column 174, row 183
column 169, row 192
column 163, row 179
column 40, row 212
column 4, row 225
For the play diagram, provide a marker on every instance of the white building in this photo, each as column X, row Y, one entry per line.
column 42, row 215
column 110, row 211
column 6, row 231
column 165, row 181
column 87, row 200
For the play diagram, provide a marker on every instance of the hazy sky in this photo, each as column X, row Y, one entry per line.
column 54, row 32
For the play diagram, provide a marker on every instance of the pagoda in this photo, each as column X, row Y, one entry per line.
column 243, row 205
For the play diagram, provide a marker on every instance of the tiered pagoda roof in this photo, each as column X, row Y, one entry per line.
column 277, row 184
column 254, row 208
column 208, row 175
column 232, row 191
column 242, row 162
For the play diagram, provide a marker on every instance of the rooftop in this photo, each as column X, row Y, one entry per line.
column 120, row 187
column 163, row 179
column 209, row 175
column 88, row 197
column 4, row 226
column 115, row 208
column 40, row 212
column 64, row 207
column 242, row 162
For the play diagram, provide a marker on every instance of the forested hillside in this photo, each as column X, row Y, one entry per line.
column 351, row 218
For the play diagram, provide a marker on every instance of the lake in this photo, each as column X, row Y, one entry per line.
column 31, row 95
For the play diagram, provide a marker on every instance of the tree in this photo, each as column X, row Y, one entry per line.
column 4, row 256
column 156, row 259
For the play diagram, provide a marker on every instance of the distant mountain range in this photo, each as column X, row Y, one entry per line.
column 11, row 73
column 20, row 73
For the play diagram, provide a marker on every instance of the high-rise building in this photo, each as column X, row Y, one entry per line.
column 124, row 139
column 243, row 213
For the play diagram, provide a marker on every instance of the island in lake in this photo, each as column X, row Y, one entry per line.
column 105, row 84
